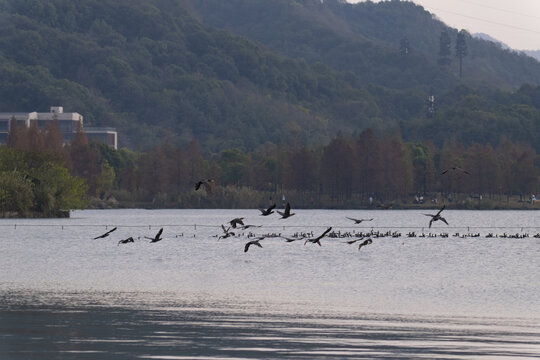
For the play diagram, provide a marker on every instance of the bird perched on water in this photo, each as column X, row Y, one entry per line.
column 106, row 234
column 236, row 221
column 437, row 217
column 358, row 221
column 207, row 184
column 364, row 243
column 454, row 168
column 253, row 242
column 126, row 241
column 270, row 210
column 287, row 213
column 157, row 237
column 317, row 240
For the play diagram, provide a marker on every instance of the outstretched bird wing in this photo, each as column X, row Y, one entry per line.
column 249, row 243
column 440, row 211
column 106, row 234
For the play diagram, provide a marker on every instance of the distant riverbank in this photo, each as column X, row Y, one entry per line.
column 60, row 214
column 245, row 199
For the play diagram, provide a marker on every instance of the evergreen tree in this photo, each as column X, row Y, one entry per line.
column 461, row 49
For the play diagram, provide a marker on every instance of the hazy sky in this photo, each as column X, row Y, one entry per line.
column 514, row 22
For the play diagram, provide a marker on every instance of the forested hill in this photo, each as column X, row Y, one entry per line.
column 152, row 69
column 365, row 38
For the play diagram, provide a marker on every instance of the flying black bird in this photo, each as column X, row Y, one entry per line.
column 207, row 184
column 293, row 238
column 358, row 221
column 364, row 243
column 437, row 216
column 105, row 235
column 266, row 212
column 355, row 240
column 245, row 227
column 236, row 221
column 157, row 237
column 287, row 213
column 253, row 242
column 125, row 241
column 454, row 168
column 317, row 240
column 227, row 233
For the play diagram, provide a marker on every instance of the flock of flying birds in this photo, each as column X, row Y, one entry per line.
column 362, row 239
column 309, row 238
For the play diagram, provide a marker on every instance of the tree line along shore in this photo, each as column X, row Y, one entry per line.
column 40, row 176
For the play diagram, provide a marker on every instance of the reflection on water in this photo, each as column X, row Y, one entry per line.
column 66, row 296
column 88, row 326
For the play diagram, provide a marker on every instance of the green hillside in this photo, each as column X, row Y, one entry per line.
column 365, row 38
column 162, row 70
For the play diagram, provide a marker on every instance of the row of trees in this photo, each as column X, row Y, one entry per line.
column 346, row 171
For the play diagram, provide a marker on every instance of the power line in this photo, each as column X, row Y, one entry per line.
column 484, row 20
column 499, row 9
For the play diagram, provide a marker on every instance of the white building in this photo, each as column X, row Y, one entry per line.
column 68, row 122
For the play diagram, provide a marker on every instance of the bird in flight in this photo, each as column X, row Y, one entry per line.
column 125, row 241
column 364, row 243
column 253, row 242
column 207, row 184
column 287, row 213
column 227, row 233
column 105, row 235
column 358, row 221
column 385, row 206
column 157, row 237
column 317, row 240
column 455, row 168
column 236, row 221
column 355, row 240
column 437, row 217
column 291, row 239
column 266, row 212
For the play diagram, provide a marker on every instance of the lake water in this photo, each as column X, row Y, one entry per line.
column 192, row 295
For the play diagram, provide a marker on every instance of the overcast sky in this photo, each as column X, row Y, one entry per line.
column 514, row 22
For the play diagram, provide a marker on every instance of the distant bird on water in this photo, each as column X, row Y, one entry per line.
column 270, row 210
column 287, row 213
column 105, row 235
column 454, row 168
column 126, row 241
column 437, row 217
column 207, row 184
column 317, row 240
column 157, row 237
column 358, row 221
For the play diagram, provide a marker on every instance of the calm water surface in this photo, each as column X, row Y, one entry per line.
column 64, row 295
